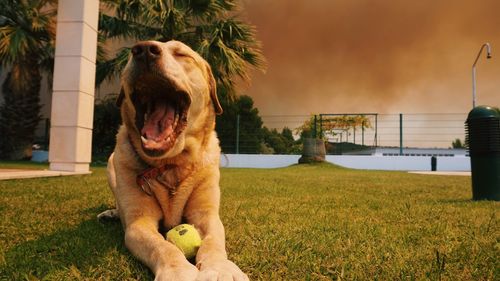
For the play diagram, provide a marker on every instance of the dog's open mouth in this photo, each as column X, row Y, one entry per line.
column 161, row 114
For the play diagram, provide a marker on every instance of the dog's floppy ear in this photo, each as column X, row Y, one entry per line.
column 120, row 98
column 213, row 91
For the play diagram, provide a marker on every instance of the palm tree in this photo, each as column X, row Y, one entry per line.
column 27, row 32
column 208, row 26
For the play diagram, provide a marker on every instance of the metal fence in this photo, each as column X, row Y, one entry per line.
column 428, row 130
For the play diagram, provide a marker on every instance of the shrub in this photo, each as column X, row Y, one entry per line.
column 106, row 123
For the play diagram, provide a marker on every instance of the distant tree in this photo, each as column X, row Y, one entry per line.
column 457, row 143
column 253, row 137
column 250, row 125
column 294, row 146
column 266, row 149
column 275, row 140
column 281, row 143
column 287, row 134
column 27, row 34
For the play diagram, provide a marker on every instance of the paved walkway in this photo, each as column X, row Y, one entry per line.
column 441, row 173
column 10, row 174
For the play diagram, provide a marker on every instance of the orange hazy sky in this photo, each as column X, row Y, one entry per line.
column 385, row 56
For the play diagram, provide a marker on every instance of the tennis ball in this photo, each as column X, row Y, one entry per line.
column 186, row 238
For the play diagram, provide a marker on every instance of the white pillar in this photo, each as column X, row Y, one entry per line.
column 73, row 88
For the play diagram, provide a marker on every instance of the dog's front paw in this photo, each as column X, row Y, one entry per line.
column 109, row 215
column 186, row 272
column 220, row 270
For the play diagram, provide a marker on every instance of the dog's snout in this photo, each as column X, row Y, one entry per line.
column 146, row 51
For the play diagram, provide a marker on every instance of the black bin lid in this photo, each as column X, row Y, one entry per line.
column 481, row 112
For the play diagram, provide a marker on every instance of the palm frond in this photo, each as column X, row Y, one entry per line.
column 229, row 45
column 205, row 9
column 24, row 30
column 109, row 69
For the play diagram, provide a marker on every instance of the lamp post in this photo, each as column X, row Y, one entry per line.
column 488, row 56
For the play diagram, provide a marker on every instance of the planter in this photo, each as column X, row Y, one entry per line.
column 313, row 151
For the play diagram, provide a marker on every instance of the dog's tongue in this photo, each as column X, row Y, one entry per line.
column 159, row 124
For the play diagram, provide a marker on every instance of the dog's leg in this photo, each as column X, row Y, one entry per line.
column 141, row 215
column 211, row 258
column 163, row 258
column 111, row 214
column 108, row 215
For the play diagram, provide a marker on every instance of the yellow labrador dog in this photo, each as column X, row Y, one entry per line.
column 165, row 166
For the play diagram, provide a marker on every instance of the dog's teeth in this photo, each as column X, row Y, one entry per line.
column 176, row 119
column 143, row 139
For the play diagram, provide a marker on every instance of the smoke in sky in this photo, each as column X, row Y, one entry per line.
column 384, row 56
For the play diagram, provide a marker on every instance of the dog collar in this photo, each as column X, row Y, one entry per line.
column 153, row 173
column 144, row 179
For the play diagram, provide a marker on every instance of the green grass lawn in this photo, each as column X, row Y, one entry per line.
column 315, row 222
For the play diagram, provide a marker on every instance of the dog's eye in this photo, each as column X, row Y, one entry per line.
column 181, row 55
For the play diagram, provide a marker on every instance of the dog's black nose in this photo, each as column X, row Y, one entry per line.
column 146, row 51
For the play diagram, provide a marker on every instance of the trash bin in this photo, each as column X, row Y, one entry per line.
column 483, row 142
column 434, row 163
